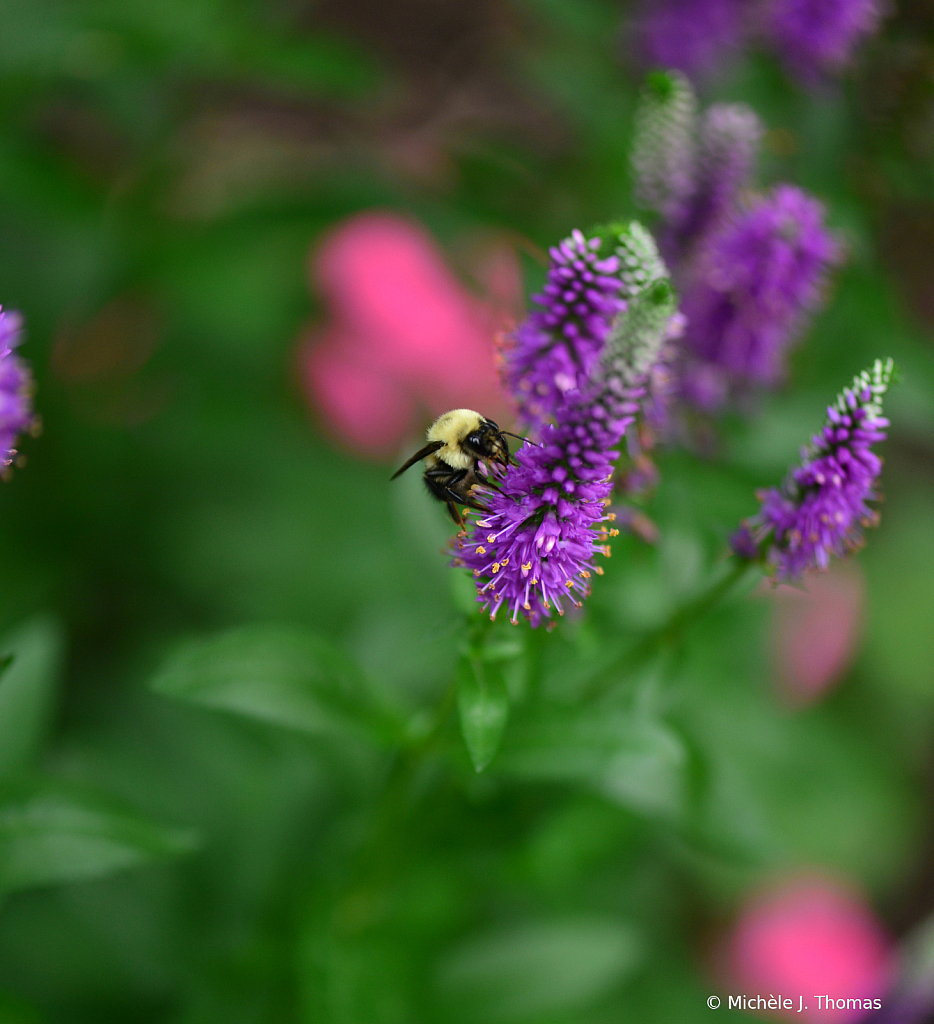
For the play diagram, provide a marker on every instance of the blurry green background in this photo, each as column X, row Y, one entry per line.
column 165, row 169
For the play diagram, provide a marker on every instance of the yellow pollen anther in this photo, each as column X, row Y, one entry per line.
column 598, row 570
column 490, row 537
column 585, row 574
column 476, row 572
column 614, row 533
column 526, row 567
column 569, row 583
column 527, row 606
column 495, row 567
column 612, row 517
column 505, row 561
column 534, row 581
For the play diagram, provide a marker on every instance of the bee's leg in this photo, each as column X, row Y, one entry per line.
column 439, row 483
column 457, row 491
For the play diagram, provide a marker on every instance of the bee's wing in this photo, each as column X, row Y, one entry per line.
column 429, row 449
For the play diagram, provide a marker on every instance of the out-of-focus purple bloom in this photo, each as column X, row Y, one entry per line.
column 750, row 268
column 557, row 346
column 544, row 528
column 818, row 36
column 693, row 36
column 697, row 37
column 758, row 278
column 729, row 136
column 690, row 170
column 16, row 415
column 822, row 507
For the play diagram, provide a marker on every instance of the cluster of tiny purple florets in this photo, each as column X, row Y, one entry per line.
column 538, row 543
column 16, row 413
column 823, row 505
column 556, row 348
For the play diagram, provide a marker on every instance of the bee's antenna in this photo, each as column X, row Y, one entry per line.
column 517, row 437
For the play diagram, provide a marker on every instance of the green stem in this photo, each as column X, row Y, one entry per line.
column 394, row 805
column 670, row 631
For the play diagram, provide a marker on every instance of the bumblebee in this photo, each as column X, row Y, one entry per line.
column 457, row 442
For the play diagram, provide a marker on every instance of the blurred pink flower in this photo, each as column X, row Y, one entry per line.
column 810, row 937
column 404, row 337
column 815, row 634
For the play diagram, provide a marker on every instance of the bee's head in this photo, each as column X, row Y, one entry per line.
column 487, row 442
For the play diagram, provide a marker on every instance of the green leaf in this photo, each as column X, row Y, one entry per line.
column 33, row 656
column 51, row 833
column 635, row 762
column 276, row 674
column 483, row 702
column 538, row 970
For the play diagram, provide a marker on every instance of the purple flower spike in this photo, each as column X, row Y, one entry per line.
column 545, row 526
column 556, row 348
column 818, row 36
column 16, row 415
column 758, row 278
column 822, row 507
